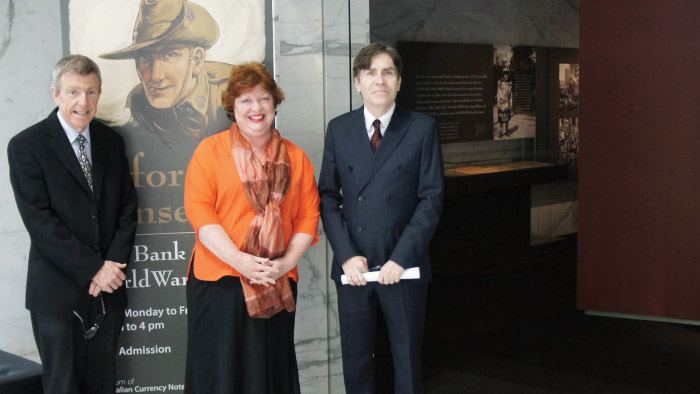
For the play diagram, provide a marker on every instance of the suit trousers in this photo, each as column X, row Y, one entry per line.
column 403, row 306
column 72, row 364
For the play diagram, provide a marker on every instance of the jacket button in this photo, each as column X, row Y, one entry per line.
column 360, row 229
column 360, row 198
column 390, row 199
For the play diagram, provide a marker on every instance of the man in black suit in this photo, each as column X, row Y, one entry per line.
column 381, row 188
column 73, row 189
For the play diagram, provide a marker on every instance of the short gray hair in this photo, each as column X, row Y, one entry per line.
column 76, row 64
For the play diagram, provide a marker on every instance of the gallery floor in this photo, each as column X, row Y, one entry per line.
column 515, row 329
column 571, row 353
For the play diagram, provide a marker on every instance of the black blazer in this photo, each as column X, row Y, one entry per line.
column 72, row 230
column 383, row 206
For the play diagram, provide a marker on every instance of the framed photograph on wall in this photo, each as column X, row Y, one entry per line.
column 563, row 97
column 515, row 83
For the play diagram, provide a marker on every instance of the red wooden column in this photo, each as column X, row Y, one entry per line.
column 639, row 170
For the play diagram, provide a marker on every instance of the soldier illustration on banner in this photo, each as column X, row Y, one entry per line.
column 179, row 95
column 164, row 65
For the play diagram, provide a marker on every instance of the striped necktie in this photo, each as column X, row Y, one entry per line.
column 377, row 136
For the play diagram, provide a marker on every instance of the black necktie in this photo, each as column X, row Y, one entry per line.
column 377, row 136
column 84, row 162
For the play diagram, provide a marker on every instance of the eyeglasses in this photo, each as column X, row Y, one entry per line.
column 96, row 325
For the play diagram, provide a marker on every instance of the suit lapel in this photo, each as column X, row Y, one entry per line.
column 99, row 155
column 61, row 147
column 360, row 143
column 398, row 127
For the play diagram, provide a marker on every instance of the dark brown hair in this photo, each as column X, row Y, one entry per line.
column 244, row 77
column 363, row 60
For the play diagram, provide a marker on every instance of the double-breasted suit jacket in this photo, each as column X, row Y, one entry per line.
column 383, row 206
column 72, row 230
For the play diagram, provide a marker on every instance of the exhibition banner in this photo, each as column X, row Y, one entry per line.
column 164, row 64
column 564, row 98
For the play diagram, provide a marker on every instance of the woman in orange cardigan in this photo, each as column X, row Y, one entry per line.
column 252, row 200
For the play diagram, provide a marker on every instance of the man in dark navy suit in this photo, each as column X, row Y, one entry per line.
column 75, row 194
column 381, row 188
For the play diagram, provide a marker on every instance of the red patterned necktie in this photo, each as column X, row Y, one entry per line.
column 377, row 136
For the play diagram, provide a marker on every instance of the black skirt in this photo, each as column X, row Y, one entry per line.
column 230, row 352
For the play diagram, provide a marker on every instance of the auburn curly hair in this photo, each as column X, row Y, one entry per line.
column 244, row 77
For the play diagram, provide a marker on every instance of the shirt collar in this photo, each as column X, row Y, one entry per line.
column 385, row 119
column 71, row 133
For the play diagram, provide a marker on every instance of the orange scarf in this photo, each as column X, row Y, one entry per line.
column 265, row 186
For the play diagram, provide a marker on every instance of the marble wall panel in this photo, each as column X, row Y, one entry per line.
column 15, row 327
column 312, row 52
column 312, row 321
column 541, row 22
column 30, row 44
column 299, row 70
